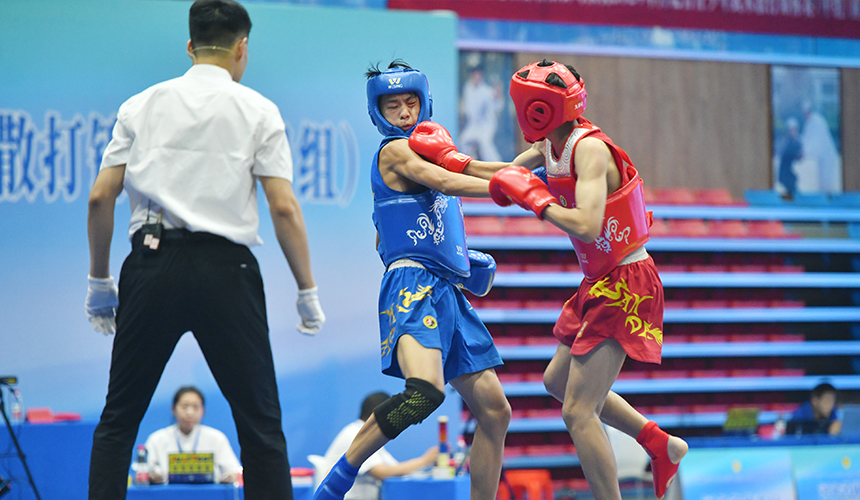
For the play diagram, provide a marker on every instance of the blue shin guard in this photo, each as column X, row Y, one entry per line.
column 338, row 481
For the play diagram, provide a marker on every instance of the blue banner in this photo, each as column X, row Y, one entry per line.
column 827, row 472
column 737, row 474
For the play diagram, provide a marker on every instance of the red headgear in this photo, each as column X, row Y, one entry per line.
column 546, row 94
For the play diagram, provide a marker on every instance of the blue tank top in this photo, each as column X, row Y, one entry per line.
column 423, row 225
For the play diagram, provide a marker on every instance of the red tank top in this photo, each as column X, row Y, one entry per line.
column 625, row 221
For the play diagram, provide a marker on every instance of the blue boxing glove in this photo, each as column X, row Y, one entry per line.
column 540, row 172
column 482, row 273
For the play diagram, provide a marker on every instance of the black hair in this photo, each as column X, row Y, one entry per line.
column 373, row 70
column 185, row 390
column 822, row 389
column 218, row 23
column 371, row 402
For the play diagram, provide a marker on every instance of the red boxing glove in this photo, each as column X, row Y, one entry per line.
column 432, row 141
column 520, row 185
column 497, row 193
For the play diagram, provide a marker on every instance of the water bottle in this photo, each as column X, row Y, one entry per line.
column 17, row 407
column 443, row 467
column 141, row 467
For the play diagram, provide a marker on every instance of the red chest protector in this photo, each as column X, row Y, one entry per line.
column 625, row 220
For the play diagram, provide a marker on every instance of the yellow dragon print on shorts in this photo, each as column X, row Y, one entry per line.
column 402, row 306
column 629, row 303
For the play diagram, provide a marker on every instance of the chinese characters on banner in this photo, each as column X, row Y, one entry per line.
column 59, row 159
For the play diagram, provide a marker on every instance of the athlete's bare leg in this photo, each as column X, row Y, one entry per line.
column 415, row 361
column 617, row 412
column 590, row 378
column 483, row 392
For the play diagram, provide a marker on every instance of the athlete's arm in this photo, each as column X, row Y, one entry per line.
column 383, row 471
column 530, row 158
column 402, row 168
column 593, row 160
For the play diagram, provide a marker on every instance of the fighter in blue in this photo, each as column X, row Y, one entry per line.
column 430, row 335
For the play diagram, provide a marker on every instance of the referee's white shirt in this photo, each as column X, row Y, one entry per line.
column 193, row 147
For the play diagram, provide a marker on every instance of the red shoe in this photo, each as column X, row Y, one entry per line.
column 655, row 441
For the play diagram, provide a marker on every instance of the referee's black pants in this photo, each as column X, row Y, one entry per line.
column 212, row 287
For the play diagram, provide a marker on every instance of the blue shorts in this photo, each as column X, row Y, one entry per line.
column 416, row 302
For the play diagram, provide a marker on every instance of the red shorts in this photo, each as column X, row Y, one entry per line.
column 626, row 305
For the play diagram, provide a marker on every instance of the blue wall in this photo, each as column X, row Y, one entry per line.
column 65, row 67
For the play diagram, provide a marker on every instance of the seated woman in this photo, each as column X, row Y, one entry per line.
column 187, row 435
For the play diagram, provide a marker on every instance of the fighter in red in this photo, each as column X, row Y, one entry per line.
column 595, row 195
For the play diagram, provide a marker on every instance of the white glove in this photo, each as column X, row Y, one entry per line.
column 310, row 311
column 101, row 304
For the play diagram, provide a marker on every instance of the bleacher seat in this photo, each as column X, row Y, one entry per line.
column 675, row 196
column 650, row 195
column 659, row 228
column 688, row 228
column 715, row 197
column 483, row 224
column 728, row 229
column 768, row 229
column 524, row 483
column 763, row 197
column 734, row 367
column 811, row 200
column 846, row 199
column 529, row 226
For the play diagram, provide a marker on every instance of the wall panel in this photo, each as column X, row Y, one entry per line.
column 851, row 129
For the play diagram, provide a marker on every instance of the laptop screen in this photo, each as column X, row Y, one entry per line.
column 851, row 420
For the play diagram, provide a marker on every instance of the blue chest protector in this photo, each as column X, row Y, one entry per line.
column 425, row 226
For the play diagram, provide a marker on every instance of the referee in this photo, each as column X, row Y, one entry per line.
column 189, row 152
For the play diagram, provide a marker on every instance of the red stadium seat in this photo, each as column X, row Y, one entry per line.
column 522, row 225
column 715, row 197
column 650, row 196
column 729, row 229
column 483, row 224
column 676, row 304
column 544, row 267
column 675, row 196
column 770, row 229
column 688, row 228
column 659, row 228
column 509, row 267
column 524, row 483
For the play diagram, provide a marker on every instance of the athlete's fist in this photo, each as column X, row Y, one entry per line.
column 432, row 141
column 482, row 271
column 520, row 185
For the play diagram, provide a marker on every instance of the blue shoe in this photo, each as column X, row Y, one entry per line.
column 338, row 481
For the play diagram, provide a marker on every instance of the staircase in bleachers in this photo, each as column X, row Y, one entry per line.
column 762, row 304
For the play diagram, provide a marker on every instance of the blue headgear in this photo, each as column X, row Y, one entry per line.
column 394, row 81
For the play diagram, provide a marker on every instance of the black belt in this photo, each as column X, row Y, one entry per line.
column 166, row 235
